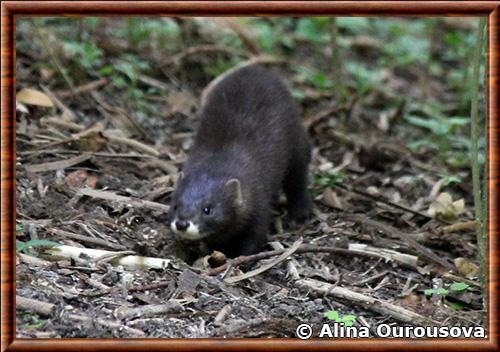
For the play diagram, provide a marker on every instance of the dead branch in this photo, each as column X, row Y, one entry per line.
column 128, row 261
column 131, row 202
column 172, row 306
column 304, row 248
column 48, row 309
column 58, row 165
column 267, row 266
column 370, row 303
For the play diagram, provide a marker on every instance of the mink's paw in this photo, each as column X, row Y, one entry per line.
column 299, row 214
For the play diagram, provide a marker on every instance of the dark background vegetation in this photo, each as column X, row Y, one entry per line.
column 386, row 102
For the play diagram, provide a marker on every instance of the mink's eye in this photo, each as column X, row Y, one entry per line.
column 207, row 210
column 175, row 207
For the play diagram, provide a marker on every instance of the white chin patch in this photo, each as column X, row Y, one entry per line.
column 191, row 233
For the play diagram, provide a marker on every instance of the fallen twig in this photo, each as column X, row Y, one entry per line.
column 58, row 165
column 267, row 266
column 382, row 200
column 384, row 253
column 134, row 202
column 461, row 226
column 132, row 143
column 172, row 306
column 128, row 261
column 370, row 303
column 405, row 238
column 86, row 239
column 48, row 309
column 304, row 248
column 85, row 87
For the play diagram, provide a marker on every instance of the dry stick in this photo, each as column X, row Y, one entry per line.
column 388, row 254
column 244, row 37
column 267, row 266
column 86, row 239
column 461, row 279
column 59, row 122
column 68, row 114
column 132, row 143
column 172, row 306
column 461, row 226
column 99, row 154
column 370, row 303
column 128, row 261
column 138, row 203
column 292, row 271
column 33, row 261
column 58, row 165
column 140, row 288
column 383, row 200
column 86, row 87
column 223, row 313
column 304, row 248
column 407, row 238
column 49, row 309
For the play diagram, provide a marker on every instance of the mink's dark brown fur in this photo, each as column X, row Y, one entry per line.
column 250, row 144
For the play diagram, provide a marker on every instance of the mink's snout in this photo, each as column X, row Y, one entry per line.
column 181, row 225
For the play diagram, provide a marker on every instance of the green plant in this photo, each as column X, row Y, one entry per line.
column 347, row 320
column 23, row 247
column 322, row 181
column 455, row 287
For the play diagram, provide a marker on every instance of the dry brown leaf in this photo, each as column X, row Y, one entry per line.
column 34, row 97
column 466, row 268
column 445, row 208
column 80, row 178
column 92, row 141
column 331, row 199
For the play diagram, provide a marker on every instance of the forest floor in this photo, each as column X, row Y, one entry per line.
column 391, row 223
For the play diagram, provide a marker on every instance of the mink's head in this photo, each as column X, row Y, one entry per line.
column 204, row 205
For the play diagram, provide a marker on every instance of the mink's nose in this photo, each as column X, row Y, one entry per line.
column 181, row 225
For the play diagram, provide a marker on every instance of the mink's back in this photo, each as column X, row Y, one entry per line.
column 249, row 128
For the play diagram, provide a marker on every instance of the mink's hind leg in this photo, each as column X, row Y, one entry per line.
column 295, row 184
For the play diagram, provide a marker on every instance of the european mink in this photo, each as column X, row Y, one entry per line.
column 250, row 144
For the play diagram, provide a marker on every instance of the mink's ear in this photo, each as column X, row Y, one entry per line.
column 235, row 187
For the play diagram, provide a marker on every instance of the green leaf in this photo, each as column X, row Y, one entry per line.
column 437, row 127
column 106, row 70
column 128, row 69
column 19, row 227
column 320, row 81
column 436, row 291
column 332, row 315
column 450, row 180
column 348, row 320
column 459, row 286
column 430, row 291
column 312, row 29
column 442, row 291
column 455, row 305
column 24, row 246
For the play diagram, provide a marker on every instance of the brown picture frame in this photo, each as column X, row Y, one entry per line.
column 11, row 9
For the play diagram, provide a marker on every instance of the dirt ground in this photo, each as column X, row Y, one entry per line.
column 371, row 232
